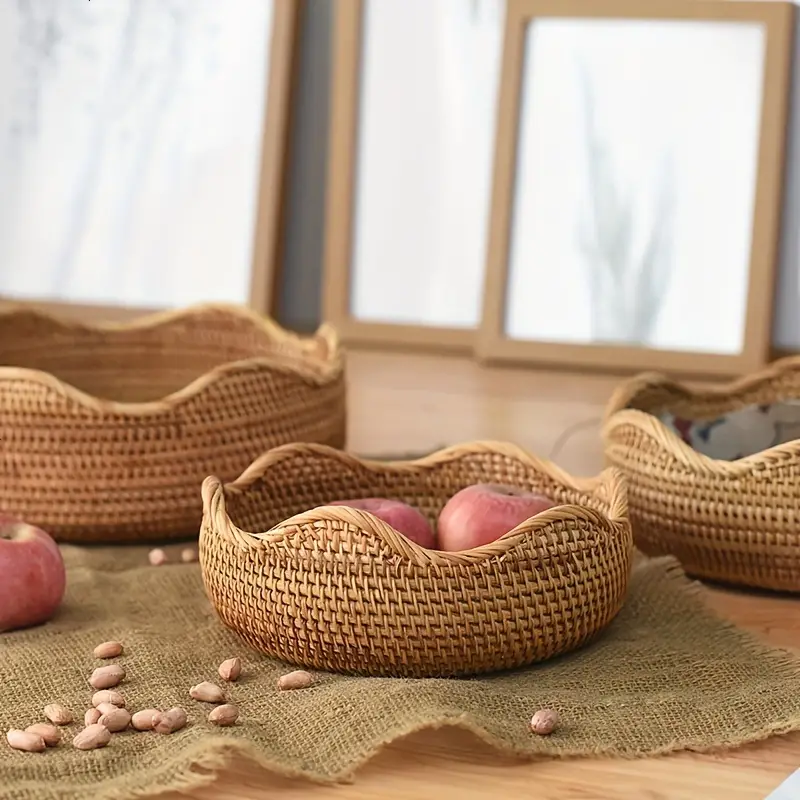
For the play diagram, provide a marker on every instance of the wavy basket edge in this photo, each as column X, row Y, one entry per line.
column 618, row 415
column 610, row 480
column 322, row 371
column 628, row 389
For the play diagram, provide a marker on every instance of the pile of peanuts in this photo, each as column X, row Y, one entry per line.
column 109, row 713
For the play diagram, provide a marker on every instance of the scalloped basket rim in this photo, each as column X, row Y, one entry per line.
column 152, row 319
column 690, row 458
column 619, row 414
column 215, row 514
column 331, row 367
column 628, row 389
column 257, row 470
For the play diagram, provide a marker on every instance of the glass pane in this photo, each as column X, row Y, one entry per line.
column 130, row 148
column 635, row 187
column 429, row 79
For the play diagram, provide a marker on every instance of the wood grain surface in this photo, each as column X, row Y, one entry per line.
column 404, row 403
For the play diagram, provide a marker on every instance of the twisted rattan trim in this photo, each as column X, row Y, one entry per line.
column 324, row 364
column 608, row 483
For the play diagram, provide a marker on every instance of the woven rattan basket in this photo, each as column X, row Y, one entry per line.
column 337, row 589
column 735, row 521
column 107, row 431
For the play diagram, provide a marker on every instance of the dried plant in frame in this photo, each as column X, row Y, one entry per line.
column 621, row 273
column 135, row 180
column 627, row 278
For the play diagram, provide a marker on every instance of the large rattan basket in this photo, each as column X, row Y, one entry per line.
column 107, row 431
column 734, row 521
column 337, row 589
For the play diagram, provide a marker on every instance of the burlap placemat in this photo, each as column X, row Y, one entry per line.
column 668, row 675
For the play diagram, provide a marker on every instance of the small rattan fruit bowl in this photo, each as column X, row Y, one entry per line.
column 714, row 474
column 108, row 430
column 336, row 589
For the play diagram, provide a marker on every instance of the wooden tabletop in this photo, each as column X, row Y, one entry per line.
column 404, row 403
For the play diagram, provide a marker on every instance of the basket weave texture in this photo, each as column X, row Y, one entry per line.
column 107, row 431
column 337, row 589
column 730, row 521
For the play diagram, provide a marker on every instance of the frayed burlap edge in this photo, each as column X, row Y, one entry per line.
column 201, row 762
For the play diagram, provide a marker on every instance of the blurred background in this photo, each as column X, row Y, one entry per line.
column 204, row 63
column 300, row 290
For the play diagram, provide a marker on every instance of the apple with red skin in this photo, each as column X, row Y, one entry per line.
column 403, row 517
column 32, row 575
column 483, row 513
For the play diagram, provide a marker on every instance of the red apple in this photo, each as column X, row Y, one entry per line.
column 32, row 575
column 483, row 513
column 401, row 516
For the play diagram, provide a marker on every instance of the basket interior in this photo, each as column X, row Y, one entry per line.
column 307, row 480
column 139, row 364
column 740, row 433
column 729, row 426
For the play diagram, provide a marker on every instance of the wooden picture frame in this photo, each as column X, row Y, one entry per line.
column 342, row 188
column 776, row 19
column 267, row 242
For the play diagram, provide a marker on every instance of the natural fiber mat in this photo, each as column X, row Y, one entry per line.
column 668, row 675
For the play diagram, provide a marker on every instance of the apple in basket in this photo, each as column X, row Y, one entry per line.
column 401, row 516
column 32, row 575
column 483, row 513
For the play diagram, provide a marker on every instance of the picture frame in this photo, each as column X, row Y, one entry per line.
column 260, row 174
column 773, row 22
column 413, row 265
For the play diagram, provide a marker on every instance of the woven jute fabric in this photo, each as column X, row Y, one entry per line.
column 667, row 675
